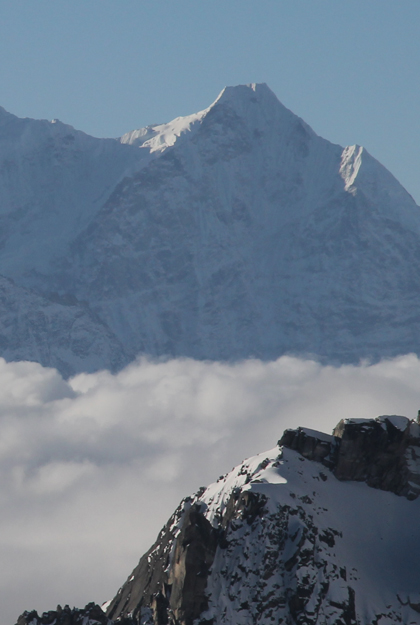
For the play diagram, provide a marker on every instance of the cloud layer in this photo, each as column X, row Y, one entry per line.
column 90, row 469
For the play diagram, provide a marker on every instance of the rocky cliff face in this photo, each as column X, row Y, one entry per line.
column 230, row 233
column 170, row 580
column 384, row 453
column 320, row 530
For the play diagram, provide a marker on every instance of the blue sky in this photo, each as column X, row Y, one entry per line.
column 351, row 68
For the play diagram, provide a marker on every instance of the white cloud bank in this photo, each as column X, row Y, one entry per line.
column 90, row 469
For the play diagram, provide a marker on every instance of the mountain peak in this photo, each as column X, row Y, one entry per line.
column 245, row 92
column 247, row 99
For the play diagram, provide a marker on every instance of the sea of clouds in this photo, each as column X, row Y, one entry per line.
column 92, row 467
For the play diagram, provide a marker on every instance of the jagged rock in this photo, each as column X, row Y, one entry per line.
column 312, row 445
column 382, row 452
column 171, row 578
column 90, row 615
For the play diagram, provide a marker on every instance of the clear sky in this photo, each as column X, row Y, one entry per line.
column 350, row 68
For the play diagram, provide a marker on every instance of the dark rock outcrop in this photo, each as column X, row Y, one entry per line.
column 90, row 615
column 168, row 585
column 312, row 445
column 383, row 452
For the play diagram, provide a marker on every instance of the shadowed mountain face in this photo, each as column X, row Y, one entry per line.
column 234, row 232
column 320, row 530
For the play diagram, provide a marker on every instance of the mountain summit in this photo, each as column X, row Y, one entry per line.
column 231, row 233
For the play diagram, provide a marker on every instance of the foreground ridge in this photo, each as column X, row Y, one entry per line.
column 320, row 530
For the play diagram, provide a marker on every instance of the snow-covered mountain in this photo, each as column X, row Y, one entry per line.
column 230, row 233
column 320, row 530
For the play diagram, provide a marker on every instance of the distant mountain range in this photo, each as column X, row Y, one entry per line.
column 235, row 232
column 320, row 530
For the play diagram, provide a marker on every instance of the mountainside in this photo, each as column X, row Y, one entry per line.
column 60, row 332
column 320, row 530
column 230, row 233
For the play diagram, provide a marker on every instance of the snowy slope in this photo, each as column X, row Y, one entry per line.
column 56, row 332
column 233, row 232
column 53, row 179
column 343, row 544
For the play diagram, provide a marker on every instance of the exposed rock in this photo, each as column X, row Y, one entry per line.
column 383, row 452
column 90, row 615
column 312, row 445
column 170, row 580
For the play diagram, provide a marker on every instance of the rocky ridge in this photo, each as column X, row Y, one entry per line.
column 384, row 453
column 321, row 530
